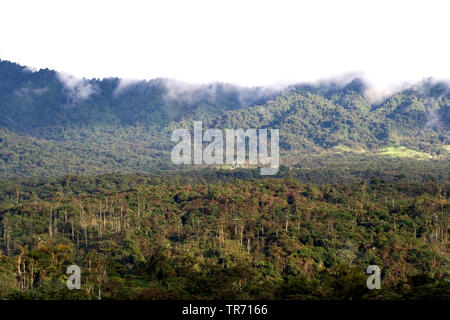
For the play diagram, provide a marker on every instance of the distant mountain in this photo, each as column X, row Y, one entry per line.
column 54, row 124
column 31, row 100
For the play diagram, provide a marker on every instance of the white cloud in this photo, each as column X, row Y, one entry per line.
column 29, row 69
column 376, row 94
column 123, row 85
column 27, row 93
column 79, row 89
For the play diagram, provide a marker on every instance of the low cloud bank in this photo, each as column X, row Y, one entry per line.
column 79, row 89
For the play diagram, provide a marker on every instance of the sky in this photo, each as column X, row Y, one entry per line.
column 244, row 42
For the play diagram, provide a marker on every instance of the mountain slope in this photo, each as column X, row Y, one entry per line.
column 55, row 124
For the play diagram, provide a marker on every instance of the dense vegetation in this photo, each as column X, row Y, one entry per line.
column 53, row 124
column 178, row 236
column 86, row 179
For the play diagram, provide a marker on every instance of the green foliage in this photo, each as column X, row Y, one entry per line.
column 45, row 131
column 360, row 183
column 175, row 237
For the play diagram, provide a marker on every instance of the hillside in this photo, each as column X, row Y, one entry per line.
column 55, row 124
column 86, row 179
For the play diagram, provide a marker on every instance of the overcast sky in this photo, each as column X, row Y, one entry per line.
column 244, row 42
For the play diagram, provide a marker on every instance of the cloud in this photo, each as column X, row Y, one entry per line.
column 181, row 92
column 27, row 93
column 357, row 81
column 29, row 69
column 376, row 95
column 24, row 94
column 426, row 87
column 258, row 95
column 433, row 119
column 79, row 89
column 124, row 85
column 188, row 93
column 432, row 87
column 325, row 86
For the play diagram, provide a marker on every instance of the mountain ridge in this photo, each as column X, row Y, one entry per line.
column 111, row 124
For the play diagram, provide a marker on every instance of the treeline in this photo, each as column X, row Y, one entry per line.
column 181, row 237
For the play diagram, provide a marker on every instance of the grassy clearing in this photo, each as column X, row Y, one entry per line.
column 403, row 152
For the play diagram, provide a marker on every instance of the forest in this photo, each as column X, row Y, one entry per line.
column 48, row 129
column 86, row 179
column 209, row 235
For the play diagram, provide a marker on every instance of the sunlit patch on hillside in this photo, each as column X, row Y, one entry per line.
column 403, row 152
